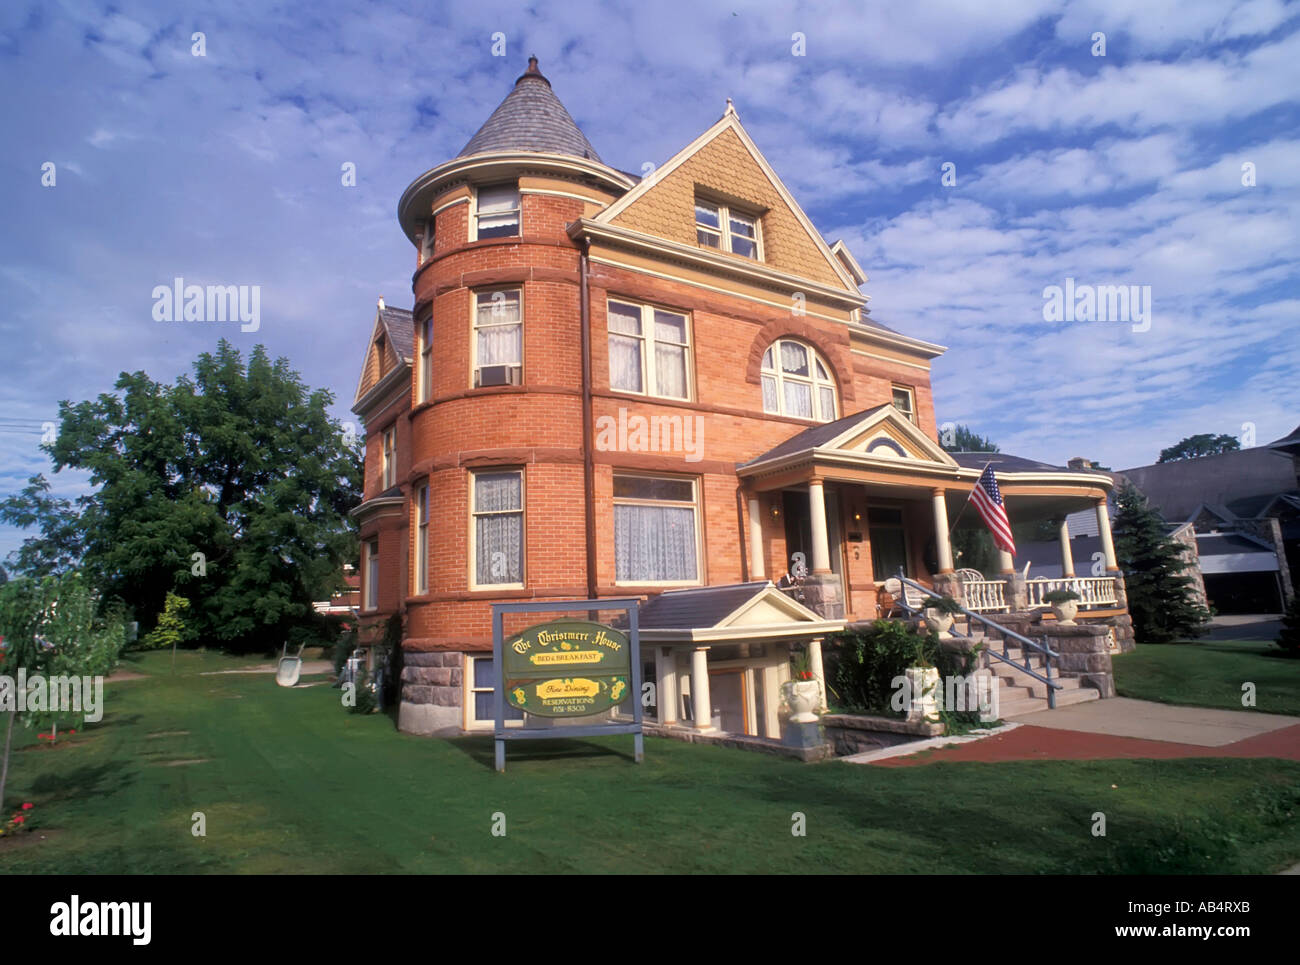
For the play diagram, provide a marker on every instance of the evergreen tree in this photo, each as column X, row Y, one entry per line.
column 1289, row 638
column 1160, row 597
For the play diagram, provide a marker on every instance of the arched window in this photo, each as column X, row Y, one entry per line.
column 796, row 382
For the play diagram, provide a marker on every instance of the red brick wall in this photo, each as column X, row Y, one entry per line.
column 539, row 426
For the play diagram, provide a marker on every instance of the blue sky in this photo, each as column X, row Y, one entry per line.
column 1122, row 169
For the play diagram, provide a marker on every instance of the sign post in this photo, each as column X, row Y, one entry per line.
column 567, row 668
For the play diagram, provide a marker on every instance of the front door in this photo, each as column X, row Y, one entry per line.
column 798, row 530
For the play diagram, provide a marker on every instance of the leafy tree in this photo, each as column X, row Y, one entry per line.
column 1289, row 637
column 1160, row 597
column 52, row 627
column 1204, row 444
column 60, row 546
column 230, row 488
column 963, row 439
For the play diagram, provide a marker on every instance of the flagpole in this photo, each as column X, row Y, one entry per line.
column 967, row 503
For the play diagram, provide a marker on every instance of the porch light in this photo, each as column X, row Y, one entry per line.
column 776, row 512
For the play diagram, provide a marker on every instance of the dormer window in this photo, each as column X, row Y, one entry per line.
column 497, row 215
column 726, row 229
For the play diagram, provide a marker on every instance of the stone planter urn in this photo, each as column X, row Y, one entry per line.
column 803, row 698
column 923, row 688
column 1065, row 612
column 939, row 622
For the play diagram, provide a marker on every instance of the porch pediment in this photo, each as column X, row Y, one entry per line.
column 742, row 612
column 881, row 434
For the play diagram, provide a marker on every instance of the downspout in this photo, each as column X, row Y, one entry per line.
column 588, row 457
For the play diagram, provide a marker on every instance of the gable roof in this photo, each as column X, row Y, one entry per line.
column 398, row 328
column 1231, row 479
column 737, row 612
column 881, row 428
column 808, row 251
column 531, row 118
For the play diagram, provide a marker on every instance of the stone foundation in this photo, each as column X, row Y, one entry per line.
column 854, row 733
column 1085, row 654
column 432, row 693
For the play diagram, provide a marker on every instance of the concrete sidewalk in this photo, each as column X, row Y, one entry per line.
column 1143, row 719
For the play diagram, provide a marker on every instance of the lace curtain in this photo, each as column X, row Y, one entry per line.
column 498, row 537
column 654, row 543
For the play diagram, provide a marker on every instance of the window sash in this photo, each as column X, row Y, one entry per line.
column 656, row 537
column 907, row 400
column 498, row 333
column 497, row 215
column 481, row 674
column 372, row 575
column 638, row 334
column 497, row 527
column 796, row 383
column 422, row 537
column 426, row 360
column 718, row 226
column 390, row 457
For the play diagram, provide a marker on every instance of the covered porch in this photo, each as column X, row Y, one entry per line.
column 840, row 508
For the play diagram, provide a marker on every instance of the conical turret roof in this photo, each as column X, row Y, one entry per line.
column 531, row 118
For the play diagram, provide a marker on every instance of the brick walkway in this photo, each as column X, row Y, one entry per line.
column 1030, row 743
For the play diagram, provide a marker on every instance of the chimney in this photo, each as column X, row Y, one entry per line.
column 1078, row 462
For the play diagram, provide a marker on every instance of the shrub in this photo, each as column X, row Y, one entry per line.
column 171, row 630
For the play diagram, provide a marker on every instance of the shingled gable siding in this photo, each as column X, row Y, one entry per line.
column 668, row 209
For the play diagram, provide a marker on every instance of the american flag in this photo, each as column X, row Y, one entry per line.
column 988, row 500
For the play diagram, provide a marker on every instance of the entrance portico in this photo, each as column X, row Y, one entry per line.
column 721, row 654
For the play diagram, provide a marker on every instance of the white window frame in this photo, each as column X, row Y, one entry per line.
column 370, row 596
column 518, row 367
column 695, row 507
column 472, row 720
column 522, row 512
column 648, row 341
column 426, row 240
column 425, row 374
column 910, row 411
column 812, row 379
column 389, row 443
column 723, row 232
column 517, row 210
column 422, row 539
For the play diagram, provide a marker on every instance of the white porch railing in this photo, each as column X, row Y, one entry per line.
column 985, row 596
column 1094, row 591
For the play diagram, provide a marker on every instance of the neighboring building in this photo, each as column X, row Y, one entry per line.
column 612, row 387
column 1244, row 508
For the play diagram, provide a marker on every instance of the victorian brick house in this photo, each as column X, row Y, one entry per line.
column 612, row 386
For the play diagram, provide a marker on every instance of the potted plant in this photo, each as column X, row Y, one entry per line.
column 1065, row 604
column 923, row 687
column 802, row 692
column 939, row 614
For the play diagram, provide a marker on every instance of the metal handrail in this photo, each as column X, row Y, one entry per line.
column 1048, row 654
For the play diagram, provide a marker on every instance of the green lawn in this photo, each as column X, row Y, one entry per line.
column 289, row 782
column 1210, row 674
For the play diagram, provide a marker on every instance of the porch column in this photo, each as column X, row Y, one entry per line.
column 1103, row 530
column 1067, row 555
column 1006, row 564
column 821, row 547
column 819, row 674
column 701, row 703
column 756, row 569
column 666, row 671
column 941, row 530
